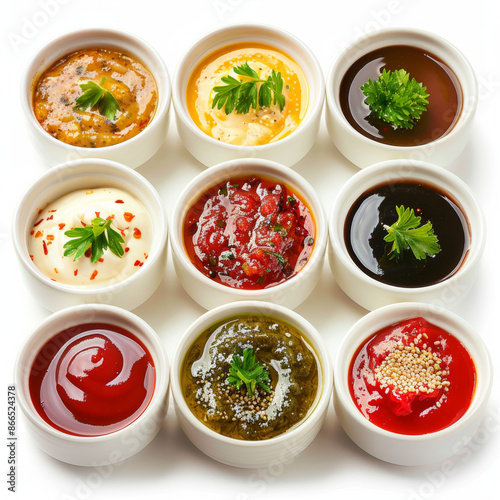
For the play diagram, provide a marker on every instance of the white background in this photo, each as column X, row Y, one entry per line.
column 170, row 467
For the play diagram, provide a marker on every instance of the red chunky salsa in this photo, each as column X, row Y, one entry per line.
column 412, row 378
column 92, row 379
column 249, row 233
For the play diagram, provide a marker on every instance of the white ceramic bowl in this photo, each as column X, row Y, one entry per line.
column 93, row 450
column 132, row 152
column 209, row 293
column 371, row 293
column 363, row 151
column 288, row 150
column 281, row 449
column 405, row 449
column 85, row 174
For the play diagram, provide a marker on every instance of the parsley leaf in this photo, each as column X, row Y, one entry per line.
column 99, row 235
column 395, row 98
column 96, row 95
column 407, row 234
column 242, row 95
column 246, row 370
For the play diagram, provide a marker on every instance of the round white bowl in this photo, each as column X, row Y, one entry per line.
column 93, row 450
column 367, row 291
column 363, row 151
column 83, row 174
column 288, row 150
column 206, row 291
column 281, row 449
column 132, row 152
column 402, row 449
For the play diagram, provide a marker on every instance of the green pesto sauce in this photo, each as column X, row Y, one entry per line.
column 279, row 348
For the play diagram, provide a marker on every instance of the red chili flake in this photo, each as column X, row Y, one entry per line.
column 61, row 225
column 83, row 224
column 138, row 263
column 39, row 234
column 128, row 216
column 56, row 271
column 36, row 223
column 137, row 233
column 122, row 231
column 112, row 216
column 75, row 272
column 50, row 237
column 31, row 257
column 127, row 249
column 32, row 232
column 88, row 252
column 119, row 201
column 98, row 214
column 94, row 274
column 101, row 259
column 45, row 249
column 50, row 217
column 52, row 211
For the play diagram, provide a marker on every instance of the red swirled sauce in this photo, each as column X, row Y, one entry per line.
column 92, row 379
column 249, row 233
column 412, row 378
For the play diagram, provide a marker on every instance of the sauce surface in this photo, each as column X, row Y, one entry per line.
column 262, row 126
column 412, row 378
column 364, row 234
column 77, row 209
column 58, row 88
column 92, row 379
column 443, row 87
column 249, row 233
column 279, row 348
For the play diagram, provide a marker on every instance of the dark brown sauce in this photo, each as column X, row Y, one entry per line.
column 443, row 87
column 364, row 234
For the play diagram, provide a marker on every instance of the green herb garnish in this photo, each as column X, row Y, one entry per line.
column 245, row 94
column 95, row 95
column 246, row 370
column 280, row 258
column 395, row 99
column 99, row 235
column 407, row 233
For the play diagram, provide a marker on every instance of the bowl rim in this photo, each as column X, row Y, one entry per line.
column 352, row 53
column 365, row 327
column 190, row 54
column 215, row 174
column 265, row 308
column 38, row 60
column 121, row 171
column 383, row 173
column 162, row 383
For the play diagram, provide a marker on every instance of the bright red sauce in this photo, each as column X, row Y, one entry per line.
column 92, row 379
column 427, row 407
column 249, row 233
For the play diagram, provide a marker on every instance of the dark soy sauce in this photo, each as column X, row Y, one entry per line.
column 364, row 234
column 443, row 87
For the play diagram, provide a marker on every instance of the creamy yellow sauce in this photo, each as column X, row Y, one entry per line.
column 58, row 88
column 260, row 126
column 77, row 209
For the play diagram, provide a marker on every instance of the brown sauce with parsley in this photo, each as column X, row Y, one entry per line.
column 364, row 234
column 279, row 348
column 445, row 95
column 58, row 88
